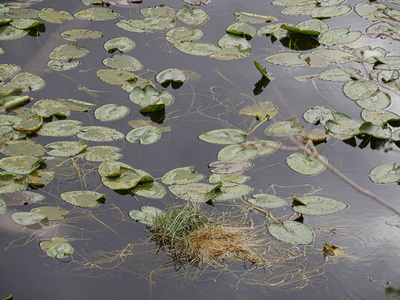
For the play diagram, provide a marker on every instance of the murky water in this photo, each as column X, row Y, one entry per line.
column 367, row 232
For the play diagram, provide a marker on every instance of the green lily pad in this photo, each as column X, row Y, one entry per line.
column 229, row 167
column 340, row 75
column 9, row 120
column 182, row 175
column 81, row 34
column 147, row 25
column 60, row 66
column 60, row 251
column 377, row 131
column 379, row 117
column 232, row 192
column 378, row 101
column 172, row 75
column 192, row 16
column 145, row 135
column 153, row 190
column 1, row 50
column 234, row 41
column 149, row 96
column 139, row 82
column 388, row 63
column 65, row 148
column 196, row 192
column 326, row 57
column 40, row 178
column 396, row 135
column 8, row 71
column 298, row 10
column 295, row 29
column 47, row 108
column 260, row 110
column 292, row 232
column 358, row 90
column 369, row 54
column 111, row 112
column 275, row 30
column 288, row 59
column 30, row 124
column 127, row 179
column 285, row 128
column 122, row 44
column 228, row 180
column 323, row 12
column 313, row 25
column 27, row 218
column 76, row 105
column 318, row 114
column 83, row 198
column 20, row 164
column 230, row 53
column 317, row 135
column 3, row 207
column 96, row 14
column 146, row 215
column 238, row 152
column 318, row 205
column 263, row 147
column 115, row 77
column 381, row 30
column 10, row 183
column 293, row 2
column 242, row 29
column 267, row 201
column 26, row 82
column 183, row 34
column 252, row 18
column 342, row 127
column 366, row 10
column 102, row 153
column 305, row 164
column 339, row 36
column 161, row 11
column 50, row 15
column 26, row 23
column 60, row 128
column 52, row 213
column 224, row 136
column 7, row 134
column 21, row 147
column 199, row 49
column 123, row 62
column 68, row 52
column 99, row 134
column 46, row 245
column 8, row 33
column 387, row 173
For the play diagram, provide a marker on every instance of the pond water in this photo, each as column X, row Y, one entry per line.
column 113, row 257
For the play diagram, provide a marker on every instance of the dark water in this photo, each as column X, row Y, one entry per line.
column 367, row 231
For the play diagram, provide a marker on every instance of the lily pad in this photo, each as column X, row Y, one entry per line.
column 123, row 62
column 76, row 105
column 3, row 207
column 292, row 232
column 10, row 183
column 182, row 175
column 267, row 201
column 52, row 213
column 224, row 136
column 150, row 97
column 153, row 190
column 183, row 34
column 68, row 52
column 30, row 124
column 99, row 134
column 387, row 173
column 60, row 66
column 146, row 215
column 238, row 152
column 230, row 40
column 172, row 75
column 260, row 110
column 147, row 25
column 196, row 192
column 60, row 128
column 323, row 12
column 20, row 164
column 81, row 34
column 96, row 14
column 27, row 82
column 285, row 128
column 8, row 33
column 40, row 178
column 200, row 49
column 232, row 192
column 50, row 15
column 122, row 44
column 340, row 75
column 26, row 23
column 102, row 153
column 339, row 36
column 342, row 127
column 60, row 251
column 9, row 120
column 379, row 117
column 388, row 63
column 161, row 11
column 263, row 147
column 242, row 29
column 318, row 205
column 47, row 108
column 296, row 10
column 305, row 164
column 318, row 114
column 378, row 101
column 358, row 90
column 83, row 198
column 8, row 71
column 229, row 167
column 145, row 135
column 252, row 18
column 21, row 147
column 317, row 135
column 289, row 59
column 65, row 148
column 192, row 16
column 115, row 77
column 230, row 53
column 27, row 218
column 111, row 112
column 228, row 180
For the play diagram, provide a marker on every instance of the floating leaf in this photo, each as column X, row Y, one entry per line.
column 20, row 164
column 263, row 147
column 238, row 152
column 153, row 190
column 26, row 82
column 228, row 180
column 122, row 44
column 275, row 30
column 260, row 110
column 60, row 128
column 40, row 178
column 285, row 128
column 60, row 66
column 183, row 34
column 8, row 33
column 267, row 201
column 99, row 134
column 200, row 49
column 47, row 108
column 60, row 251
column 8, row 71
column 30, row 124
column 339, row 36
column 7, row 134
column 342, row 127
column 358, row 90
column 305, row 164
column 111, row 112
column 18, row 12
column 27, row 218
column 369, row 54
column 123, row 62
column 149, row 96
column 161, row 11
column 10, row 183
column 146, row 215
column 286, row 59
column 228, row 167
column 396, row 136
column 82, row 198
column 388, row 63
column 387, row 173
column 26, row 23
column 9, row 120
column 298, row 10
column 230, row 53
column 377, row 131
column 246, row 17
column 172, row 75
column 52, row 213
column 318, row 114
column 147, row 25
column 76, row 105
column 96, row 14
column 318, row 205
column 317, row 135
column 295, row 29
column 81, row 34
column 51, row 16
column 65, row 148
column 382, row 29
column 145, row 135
column 292, row 232
column 192, row 16
column 182, row 175
column 379, row 117
column 102, row 153
column 323, row 12
column 115, row 77
column 224, row 136
column 196, row 192
column 340, row 74
column 242, row 29
column 68, row 52
column 197, row 2
column 232, row 192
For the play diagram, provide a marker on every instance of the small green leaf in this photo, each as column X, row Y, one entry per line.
column 260, row 110
column 292, row 232
column 146, row 215
column 305, row 164
column 27, row 218
column 99, row 134
column 122, row 44
column 65, row 148
column 111, row 112
column 224, row 136
column 83, row 198
column 96, row 14
column 52, row 213
column 319, row 205
column 285, row 128
column 145, row 135
column 387, row 173
column 267, row 201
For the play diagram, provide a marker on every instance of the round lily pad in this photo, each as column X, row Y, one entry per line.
column 26, row 23
column 150, row 99
column 82, row 198
column 65, row 148
column 60, row 128
column 196, row 192
column 286, row 59
column 123, row 62
column 200, row 49
column 50, row 15
column 111, row 112
column 339, row 36
column 263, row 147
column 147, row 25
column 232, row 192
column 52, row 213
column 340, row 74
column 238, row 152
column 285, row 128
column 224, row 136
column 260, row 110
column 96, row 14
column 27, row 82
column 358, row 90
column 242, row 29
column 192, row 16
column 63, row 65
column 173, row 75
column 30, row 124
column 318, row 114
column 182, row 175
column 20, row 164
column 145, row 215
column 27, row 218
column 318, row 205
column 11, row 33
column 60, row 251
column 292, row 232
column 40, row 178
column 8, row 71
column 68, row 52
column 102, row 153
column 183, row 34
column 99, row 134
column 47, row 108
column 122, row 44
column 379, row 117
column 306, row 165
column 115, row 77
column 387, row 173
column 230, row 40
column 228, row 180
column 267, row 201
column 323, row 12
column 161, row 11
column 153, row 190
column 81, row 34
column 145, row 135
column 10, row 183
column 228, row 167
